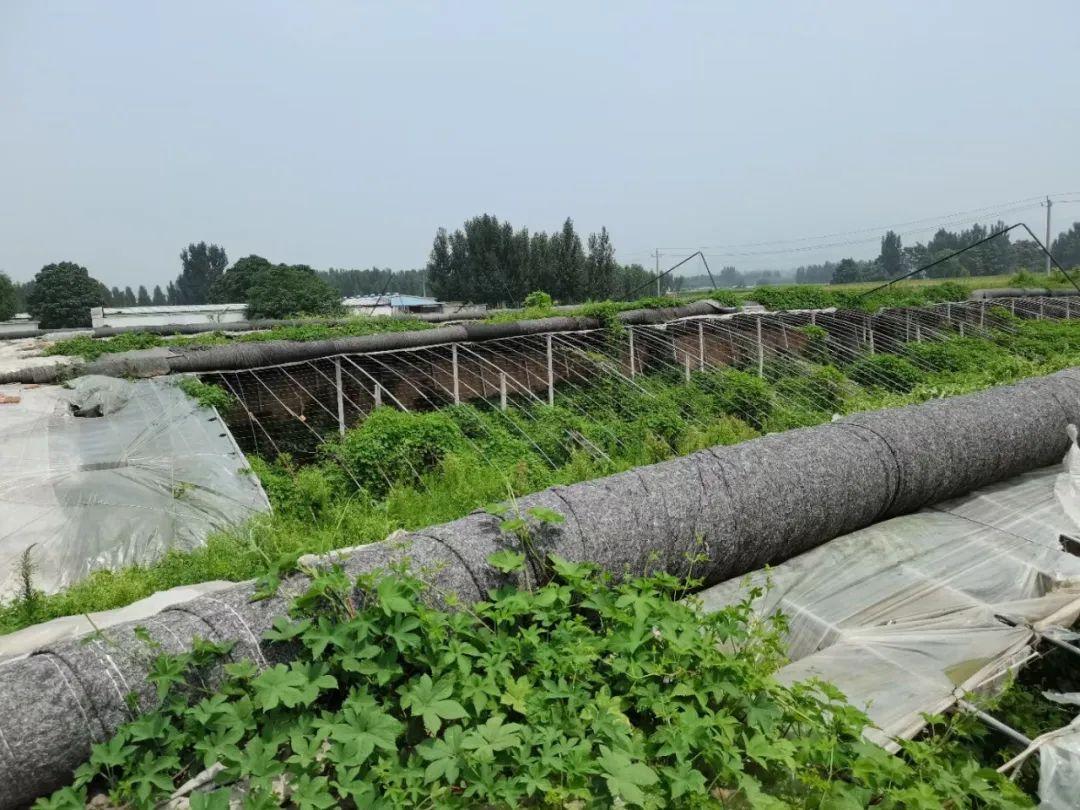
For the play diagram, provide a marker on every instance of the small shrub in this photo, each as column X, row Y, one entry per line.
column 392, row 447
column 538, row 299
column 886, row 371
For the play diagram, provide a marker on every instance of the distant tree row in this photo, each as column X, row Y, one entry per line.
column 487, row 261
column 998, row 256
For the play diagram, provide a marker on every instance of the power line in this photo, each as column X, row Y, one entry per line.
column 970, row 215
column 1006, row 207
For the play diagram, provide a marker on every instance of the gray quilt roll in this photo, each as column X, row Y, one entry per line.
column 738, row 507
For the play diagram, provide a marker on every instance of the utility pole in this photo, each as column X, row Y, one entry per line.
column 658, row 268
column 1049, row 204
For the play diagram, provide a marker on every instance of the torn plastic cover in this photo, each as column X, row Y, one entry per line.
column 109, row 472
column 904, row 617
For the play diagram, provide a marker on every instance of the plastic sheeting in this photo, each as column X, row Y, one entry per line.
column 903, row 616
column 107, row 473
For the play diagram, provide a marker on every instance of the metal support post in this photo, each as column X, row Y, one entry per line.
column 502, row 390
column 760, row 350
column 454, row 371
column 551, row 373
column 701, row 345
column 340, row 396
column 633, row 360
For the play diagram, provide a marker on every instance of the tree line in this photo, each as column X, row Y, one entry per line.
column 998, row 256
column 490, row 262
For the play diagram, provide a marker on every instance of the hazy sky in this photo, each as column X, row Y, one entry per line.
column 342, row 134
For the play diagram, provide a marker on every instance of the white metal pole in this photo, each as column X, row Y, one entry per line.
column 454, row 371
column 686, row 357
column 760, row 350
column 502, row 390
column 340, row 396
column 378, row 395
column 551, row 373
column 701, row 345
column 633, row 360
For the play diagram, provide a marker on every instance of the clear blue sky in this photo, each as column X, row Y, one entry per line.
column 343, row 133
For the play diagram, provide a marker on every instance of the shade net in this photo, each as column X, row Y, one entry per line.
column 107, row 473
column 910, row 614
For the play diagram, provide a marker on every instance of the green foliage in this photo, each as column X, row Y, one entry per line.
column 92, row 348
column 9, row 301
column 817, row 343
column 538, row 299
column 607, row 312
column 582, row 693
column 886, row 371
column 392, row 447
column 63, row 295
column 207, row 395
column 283, row 291
column 202, row 268
column 793, row 297
column 817, row 389
column 739, row 394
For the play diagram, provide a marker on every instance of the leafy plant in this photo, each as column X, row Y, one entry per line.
column 583, row 692
column 206, row 394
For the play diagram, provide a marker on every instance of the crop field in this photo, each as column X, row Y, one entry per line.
column 408, row 469
column 548, row 696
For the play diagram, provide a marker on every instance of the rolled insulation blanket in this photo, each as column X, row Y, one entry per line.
column 715, row 514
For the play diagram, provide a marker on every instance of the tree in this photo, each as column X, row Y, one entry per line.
column 115, row 298
column 232, row 287
column 730, row 277
column 129, row 297
column 9, row 303
column 158, row 298
column 172, row 295
column 847, row 271
column 568, row 264
column 142, row 299
column 202, row 265
column 63, row 295
column 891, row 258
column 283, row 291
column 1066, row 247
column 600, row 267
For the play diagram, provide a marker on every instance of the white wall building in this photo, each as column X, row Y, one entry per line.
column 168, row 315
